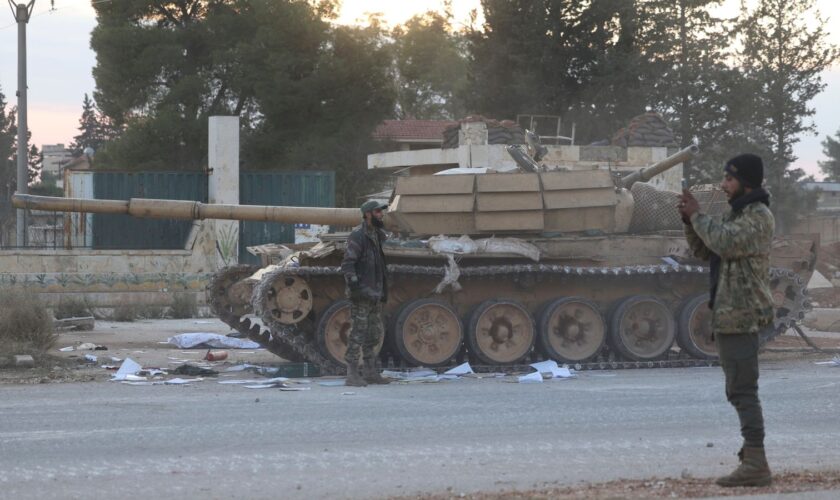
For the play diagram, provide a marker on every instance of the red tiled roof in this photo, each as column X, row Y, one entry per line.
column 431, row 130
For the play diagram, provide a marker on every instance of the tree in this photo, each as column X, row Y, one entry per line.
column 93, row 129
column 687, row 48
column 831, row 149
column 308, row 94
column 786, row 57
column 431, row 68
column 785, row 50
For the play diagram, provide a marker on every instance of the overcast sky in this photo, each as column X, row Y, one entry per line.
column 60, row 63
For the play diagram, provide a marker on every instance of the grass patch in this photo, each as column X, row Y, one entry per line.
column 151, row 312
column 125, row 313
column 183, row 306
column 71, row 307
column 26, row 327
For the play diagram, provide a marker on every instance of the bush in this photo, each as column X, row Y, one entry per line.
column 125, row 312
column 71, row 307
column 151, row 312
column 25, row 324
column 183, row 306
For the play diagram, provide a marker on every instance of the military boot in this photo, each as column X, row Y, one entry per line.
column 354, row 378
column 753, row 470
column 372, row 375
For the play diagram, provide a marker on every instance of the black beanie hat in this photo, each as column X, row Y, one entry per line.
column 747, row 168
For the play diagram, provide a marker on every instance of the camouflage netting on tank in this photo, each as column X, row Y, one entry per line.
column 647, row 130
column 654, row 210
column 498, row 132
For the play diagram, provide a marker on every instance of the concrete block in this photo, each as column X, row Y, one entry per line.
column 24, row 361
column 605, row 154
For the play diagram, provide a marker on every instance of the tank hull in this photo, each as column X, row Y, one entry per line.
column 589, row 302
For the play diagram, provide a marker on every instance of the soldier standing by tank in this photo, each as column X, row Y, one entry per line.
column 737, row 246
column 367, row 288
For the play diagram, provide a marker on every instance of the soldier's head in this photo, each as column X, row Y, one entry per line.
column 741, row 175
column 373, row 212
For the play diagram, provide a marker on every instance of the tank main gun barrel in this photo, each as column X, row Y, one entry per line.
column 645, row 174
column 181, row 209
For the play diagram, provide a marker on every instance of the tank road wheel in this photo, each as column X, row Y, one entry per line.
column 571, row 329
column 694, row 328
column 428, row 332
column 642, row 328
column 500, row 332
column 334, row 331
column 289, row 299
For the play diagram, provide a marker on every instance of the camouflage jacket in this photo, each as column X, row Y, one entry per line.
column 365, row 259
column 742, row 239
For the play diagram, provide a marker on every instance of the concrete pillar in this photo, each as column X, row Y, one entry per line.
column 223, row 184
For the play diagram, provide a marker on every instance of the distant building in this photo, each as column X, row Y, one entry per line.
column 828, row 197
column 410, row 135
column 56, row 156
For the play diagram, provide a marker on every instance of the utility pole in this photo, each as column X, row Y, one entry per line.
column 22, row 13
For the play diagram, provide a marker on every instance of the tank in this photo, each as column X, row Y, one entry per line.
column 578, row 266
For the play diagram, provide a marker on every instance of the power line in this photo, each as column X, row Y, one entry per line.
column 53, row 8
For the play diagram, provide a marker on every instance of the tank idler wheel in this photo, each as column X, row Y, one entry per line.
column 694, row 328
column 571, row 330
column 333, row 331
column 642, row 328
column 228, row 294
column 500, row 332
column 428, row 332
column 290, row 299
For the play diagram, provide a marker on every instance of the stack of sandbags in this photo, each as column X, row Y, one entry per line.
column 647, row 130
column 498, row 132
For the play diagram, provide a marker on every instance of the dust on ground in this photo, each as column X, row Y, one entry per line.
column 686, row 487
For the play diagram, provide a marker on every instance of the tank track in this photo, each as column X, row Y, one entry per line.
column 796, row 305
column 221, row 307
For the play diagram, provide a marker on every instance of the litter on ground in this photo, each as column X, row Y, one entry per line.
column 833, row 362
column 203, row 339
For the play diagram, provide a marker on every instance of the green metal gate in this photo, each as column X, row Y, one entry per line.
column 126, row 232
column 293, row 189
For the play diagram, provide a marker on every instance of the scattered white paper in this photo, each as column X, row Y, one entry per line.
column 461, row 369
column 67, row 349
column 188, row 340
column 127, row 382
column 294, row 389
column 414, row 374
column 531, row 378
column 91, row 358
column 182, row 381
column 551, row 369
column 260, row 386
column 134, row 378
column 115, row 360
column 834, row 362
column 128, row 367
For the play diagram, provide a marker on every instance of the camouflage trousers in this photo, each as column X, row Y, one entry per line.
column 739, row 359
column 366, row 331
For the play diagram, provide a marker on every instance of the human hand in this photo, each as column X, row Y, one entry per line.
column 687, row 206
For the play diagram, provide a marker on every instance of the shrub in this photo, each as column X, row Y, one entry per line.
column 150, row 311
column 71, row 307
column 183, row 306
column 25, row 324
column 125, row 312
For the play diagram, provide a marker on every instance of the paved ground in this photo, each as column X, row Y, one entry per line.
column 108, row 440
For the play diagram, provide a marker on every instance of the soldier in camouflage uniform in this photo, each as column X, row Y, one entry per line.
column 737, row 246
column 367, row 288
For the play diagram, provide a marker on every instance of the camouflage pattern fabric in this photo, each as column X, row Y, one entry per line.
column 366, row 330
column 742, row 240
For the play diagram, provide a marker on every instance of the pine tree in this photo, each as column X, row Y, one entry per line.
column 785, row 50
column 831, row 149
column 92, row 131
